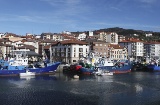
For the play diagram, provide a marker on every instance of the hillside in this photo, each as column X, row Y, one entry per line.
column 129, row 32
column 121, row 31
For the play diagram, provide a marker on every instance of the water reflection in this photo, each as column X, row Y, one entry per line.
column 26, row 82
column 70, row 77
column 27, row 77
column 105, row 78
column 63, row 89
column 139, row 88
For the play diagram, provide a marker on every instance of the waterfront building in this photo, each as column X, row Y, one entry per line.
column 135, row 48
column 6, row 46
column 100, row 48
column 117, row 52
column 152, row 50
column 32, row 43
column 69, row 51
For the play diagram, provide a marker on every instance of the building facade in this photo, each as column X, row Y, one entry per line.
column 69, row 51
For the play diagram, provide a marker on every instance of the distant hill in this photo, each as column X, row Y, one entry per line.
column 122, row 31
column 129, row 32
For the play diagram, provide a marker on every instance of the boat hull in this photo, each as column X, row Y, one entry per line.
column 27, row 74
column 153, row 68
column 37, row 71
column 104, row 73
column 117, row 70
column 87, row 71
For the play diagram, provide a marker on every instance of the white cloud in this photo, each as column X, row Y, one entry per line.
column 115, row 8
column 148, row 4
column 148, row 1
column 62, row 2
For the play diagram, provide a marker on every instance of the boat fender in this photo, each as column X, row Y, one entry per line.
column 16, row 67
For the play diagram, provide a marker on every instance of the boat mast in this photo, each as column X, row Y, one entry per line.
column 50, row 49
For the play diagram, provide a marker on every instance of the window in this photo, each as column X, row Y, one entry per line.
column 80, row 49
column 68, row 49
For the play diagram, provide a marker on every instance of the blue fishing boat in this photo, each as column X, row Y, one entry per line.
column 114, row 67
column 87, row 71
column 12, row 70
column 19, row 64
column 154, row 66
column 86, row 67
column 93, row 63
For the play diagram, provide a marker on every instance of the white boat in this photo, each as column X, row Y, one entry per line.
column 27, row 77
column 27, row 73
column 76, row 77
column 103, row 72
column 107, row 73
column 18, row 66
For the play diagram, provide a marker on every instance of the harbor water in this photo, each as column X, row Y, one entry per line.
column 135, row 88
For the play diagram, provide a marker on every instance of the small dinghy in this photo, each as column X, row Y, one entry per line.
column 76, row 77
column 103, row 72
column 27, row 73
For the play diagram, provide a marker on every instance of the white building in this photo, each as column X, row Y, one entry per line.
column 149, row 34
column 110, row 37
column 135, row 48
column 1, row 35
column 152, row 50
column 82, row 36
column 90, row 33
column 69, row 51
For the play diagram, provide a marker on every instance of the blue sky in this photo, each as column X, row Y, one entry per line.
column 37, row 16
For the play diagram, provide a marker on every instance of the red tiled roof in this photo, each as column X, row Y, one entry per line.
column 27, row 47
column 151, row 42
column 131, row 40
column 115, row 46
column 73, row 42
column 65, row 36
column 8, row 45
column 48, row 41
column 28, row 40
column 11, row 34
column 5, row 40
column 28, row 37
column 46, row 47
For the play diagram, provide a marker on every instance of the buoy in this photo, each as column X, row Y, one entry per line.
column 76, row 76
